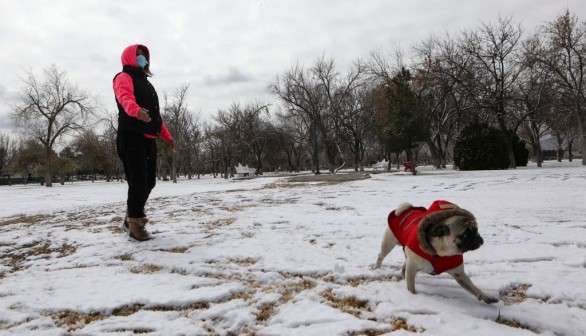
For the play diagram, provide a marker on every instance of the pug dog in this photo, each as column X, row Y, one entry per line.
column 434, row 241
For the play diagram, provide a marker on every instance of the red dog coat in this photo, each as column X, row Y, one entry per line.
column 406, row 228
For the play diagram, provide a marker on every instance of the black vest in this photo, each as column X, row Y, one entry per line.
column 146, row 97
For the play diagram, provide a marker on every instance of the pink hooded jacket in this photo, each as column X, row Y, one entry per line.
column 124, row 89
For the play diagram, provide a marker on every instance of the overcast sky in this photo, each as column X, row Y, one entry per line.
column 228, row 51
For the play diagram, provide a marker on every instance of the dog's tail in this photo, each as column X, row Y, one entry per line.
column 402, row 208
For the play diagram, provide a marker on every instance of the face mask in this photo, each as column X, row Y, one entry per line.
column 141, row 61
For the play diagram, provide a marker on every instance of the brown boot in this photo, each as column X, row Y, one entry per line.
column 137, row 230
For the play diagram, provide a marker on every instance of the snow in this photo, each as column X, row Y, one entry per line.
column 267, row 256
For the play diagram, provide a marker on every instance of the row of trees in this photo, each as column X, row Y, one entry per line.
column 382, row 107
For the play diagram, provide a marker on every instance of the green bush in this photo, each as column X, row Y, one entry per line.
column 480, row 147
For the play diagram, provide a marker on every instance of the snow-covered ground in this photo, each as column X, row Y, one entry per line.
column 272, row 257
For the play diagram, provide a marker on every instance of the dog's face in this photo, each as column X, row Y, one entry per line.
column 454, row 235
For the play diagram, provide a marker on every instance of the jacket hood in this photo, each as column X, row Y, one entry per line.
column 436, row 213
column 129, row 55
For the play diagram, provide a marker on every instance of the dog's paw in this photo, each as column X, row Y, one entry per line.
column 402, row 208
column 488, row 299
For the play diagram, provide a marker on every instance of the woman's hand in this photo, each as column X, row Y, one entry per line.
column 143, row 115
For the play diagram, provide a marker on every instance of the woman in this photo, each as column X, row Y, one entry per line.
column 139, row 124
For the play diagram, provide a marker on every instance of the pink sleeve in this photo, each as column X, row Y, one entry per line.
column 124, row 91
column 165, row 135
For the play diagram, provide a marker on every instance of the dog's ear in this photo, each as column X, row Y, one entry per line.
column 439, row 230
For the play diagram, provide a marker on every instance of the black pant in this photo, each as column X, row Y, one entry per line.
column 139, row 157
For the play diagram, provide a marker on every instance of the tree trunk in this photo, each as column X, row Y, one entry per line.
column 410, row 158
column 357, row 162
column 538, row 154
column 584, row 150
column 48, row 182
column 570, row 156
column 434, row 153
column 582, row 129
column 174, row 167
column 225, row 168
column 289, row 161
column 298, row 157
column 259, row 167
column 331, row 154
column 533, row 131
column 510, row 151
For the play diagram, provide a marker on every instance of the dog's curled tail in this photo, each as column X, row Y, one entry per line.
column 402, row 208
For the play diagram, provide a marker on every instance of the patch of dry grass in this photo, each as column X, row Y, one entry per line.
column 65, row 250
column 145, row 269
column 400, row 323
column 289, row 290
column 347, row 304
column 116, row 229
column 134, row 330
column 41, row 250
column 127, row 310
column 124, row 257
column 71, row 320
column 514, row 324
column 201, row 211
column 175, row 249
column 265, row 312
column 369, row 332
column 364, row 280
column 243, row 261
column 180, row 271
column 236, row 207
column 24, row 219
column 218, row 223
column 279, row 201
column 190, row 306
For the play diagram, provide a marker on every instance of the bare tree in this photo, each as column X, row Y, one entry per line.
column 176, row 112
column 193, row 144
column 563, row 51
column 50, row 109
column 318, row 95
column 537, row 98
column 563, row 129
column 356, row 122
column 108, row 138
column 302, row 94
column 494, row 73
column 291, row 135
column 258, row 132
column 248, row 127
column 439, row 68
column 341, row 99
column 214, row 146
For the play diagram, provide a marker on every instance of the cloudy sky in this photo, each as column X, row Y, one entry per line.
column 228, row 51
